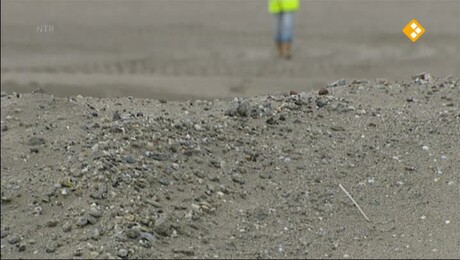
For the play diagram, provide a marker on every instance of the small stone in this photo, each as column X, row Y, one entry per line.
column 91, row 220
column 147, row 236
column 82, row 221
column 6, row 199
column 293, row 93
column 337, row 128
column 175, row 166
column 95, row 212
column 423, row 77
column 65, row 192
column 122, row 253
column 78, row 252
column 96, row 234
column 52, row 223
column 244, row 109
column 14, row 239
column 238, row 179
column 133, row 233
column 186, row 252
column 162, row 225
column 425, row 148
column 22, row 247
column 271, row 121
column 34, row 141
column 116, row 116
column 321, row 103
column 66, row 227
column 164, row 182
column 50, row 248
column 340, row 82
column 4, row 233
column 323, row 91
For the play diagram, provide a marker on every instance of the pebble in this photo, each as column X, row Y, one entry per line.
column 66, row 227
column 51, row 248
column 237, row 178
column 52, row 223
column 164, row 182
column 78, row 252
column 122, row 253
column 244, row 109
column 162, row 225
column 133, row 233
column 321, row 103
column 96, row 234
column 186, row 252
column 91, row 220
column 65, row 191
column 82, row 221
column 14, row 239
column 323, row 91
column 21, row 247
column 340, row 82
column 4, row 233
column 34, row 141
column 94, row 212
column 148, row 236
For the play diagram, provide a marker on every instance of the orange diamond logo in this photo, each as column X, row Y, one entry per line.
column 413, row 30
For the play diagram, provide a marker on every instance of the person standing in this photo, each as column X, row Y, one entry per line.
column 283, row 11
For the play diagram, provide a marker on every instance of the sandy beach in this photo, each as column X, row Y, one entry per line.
column 157, row 48
column 258, row 177
column 170, row 129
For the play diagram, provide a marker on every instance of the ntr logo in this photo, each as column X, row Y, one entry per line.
column 45, row 28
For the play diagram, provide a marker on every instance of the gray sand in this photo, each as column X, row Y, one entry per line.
column 247, row 178
column 169, row 129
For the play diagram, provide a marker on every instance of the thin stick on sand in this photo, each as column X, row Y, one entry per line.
column 356, row 204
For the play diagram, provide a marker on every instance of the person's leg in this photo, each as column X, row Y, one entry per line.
column 287, row 28
column 278, row 34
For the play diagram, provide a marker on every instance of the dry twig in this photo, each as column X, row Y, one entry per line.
column 356, row 204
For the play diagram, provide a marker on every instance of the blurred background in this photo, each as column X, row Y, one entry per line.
column 180, row 49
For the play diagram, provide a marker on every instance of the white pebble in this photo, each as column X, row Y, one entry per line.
column 447, row 222
column 425, row 148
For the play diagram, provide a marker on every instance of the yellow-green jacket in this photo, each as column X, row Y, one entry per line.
column 278, row 6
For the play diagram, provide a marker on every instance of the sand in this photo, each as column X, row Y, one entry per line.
column 208, row 49
column 258, row 177
column 170, row 129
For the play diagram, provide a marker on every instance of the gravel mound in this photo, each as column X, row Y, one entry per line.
column 256, row 177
